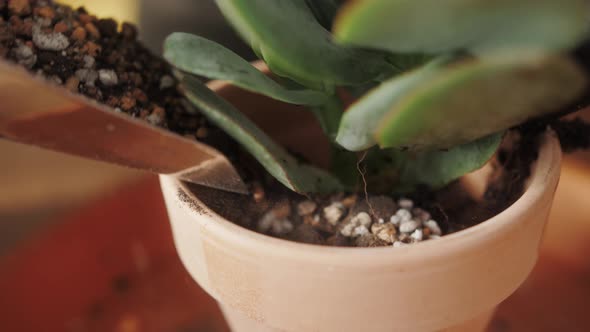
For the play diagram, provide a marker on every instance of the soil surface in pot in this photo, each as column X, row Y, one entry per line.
column 106, row 62
column 358, row 220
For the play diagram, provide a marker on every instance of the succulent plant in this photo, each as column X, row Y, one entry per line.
column 437, row 82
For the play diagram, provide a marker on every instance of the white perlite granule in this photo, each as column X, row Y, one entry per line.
column 53, row 41
column 334, row 212
column 108, row 77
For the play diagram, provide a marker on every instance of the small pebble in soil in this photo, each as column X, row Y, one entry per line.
column 157, row 116
column 384, row 231
column 334, row 212
column 52, row 41
column 357, row 225
column 89, row 61
column 433, row 227
column 417, row 235
column 87, row 76
column 108, row 77
column 408, row 226
column 282, row 227
column 360, row 230
column 306, row 208
column 404, row 214
column 395, row 219
column 275, row 222
column 25, row 56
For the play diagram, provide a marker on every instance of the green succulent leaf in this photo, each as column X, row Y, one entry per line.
column 285, row 168
column 288, row 37
column 406, row 171
column 361, row 120
column 436, row 169
column 199, row 56
column 434, row 26
column 474, row 99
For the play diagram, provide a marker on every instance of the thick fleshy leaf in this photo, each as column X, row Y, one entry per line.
column 286, row 34
column 361, row 120
column 436, row 169
column 403, row 172
column 199, row 56
column 296, row 176
column 477, row 98
column 434, row 26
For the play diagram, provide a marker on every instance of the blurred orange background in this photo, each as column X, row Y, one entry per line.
column 85, row 246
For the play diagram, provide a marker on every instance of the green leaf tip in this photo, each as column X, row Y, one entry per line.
column 200, row 56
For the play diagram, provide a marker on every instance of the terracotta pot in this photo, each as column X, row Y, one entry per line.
column 452, row 284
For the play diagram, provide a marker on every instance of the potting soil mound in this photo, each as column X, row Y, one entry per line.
column 96, row 58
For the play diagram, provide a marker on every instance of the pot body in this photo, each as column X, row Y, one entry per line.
column 453, row 283
column 268, row 284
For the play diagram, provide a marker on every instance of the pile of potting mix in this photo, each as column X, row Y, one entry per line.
column 104, row 61
column 96, row 58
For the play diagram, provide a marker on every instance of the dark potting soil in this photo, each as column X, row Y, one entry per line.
column 97, row 58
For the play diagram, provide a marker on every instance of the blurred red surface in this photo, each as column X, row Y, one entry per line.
column 112, row 267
